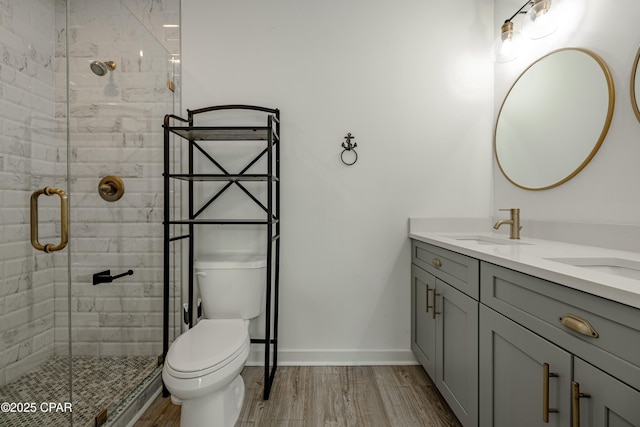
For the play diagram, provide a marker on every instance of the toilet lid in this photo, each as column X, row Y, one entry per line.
column 208, row 346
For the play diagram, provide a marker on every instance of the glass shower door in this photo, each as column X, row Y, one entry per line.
column 120, row 66
column 35, row 380
column 34, row 226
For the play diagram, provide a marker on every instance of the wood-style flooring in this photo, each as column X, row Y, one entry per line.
column 301, row 396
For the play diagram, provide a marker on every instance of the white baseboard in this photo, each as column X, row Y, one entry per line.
column 335, row 357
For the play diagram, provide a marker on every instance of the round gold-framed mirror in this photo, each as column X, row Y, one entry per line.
column 554, row 118
column 635, row 86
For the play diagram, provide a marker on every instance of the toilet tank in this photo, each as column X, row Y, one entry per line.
column 232, row 286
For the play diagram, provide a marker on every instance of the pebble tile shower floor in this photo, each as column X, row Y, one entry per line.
column 98, row 383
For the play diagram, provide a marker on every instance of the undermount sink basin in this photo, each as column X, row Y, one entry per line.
column 618, row 266
column 488, row 240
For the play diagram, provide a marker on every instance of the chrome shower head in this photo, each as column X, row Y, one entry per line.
column 101, row 68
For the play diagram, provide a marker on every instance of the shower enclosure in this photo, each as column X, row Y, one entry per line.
column 84, row 87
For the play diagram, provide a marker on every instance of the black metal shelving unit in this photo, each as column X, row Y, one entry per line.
column 270, row 134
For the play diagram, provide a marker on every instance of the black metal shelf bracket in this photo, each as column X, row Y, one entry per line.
column 270, row 134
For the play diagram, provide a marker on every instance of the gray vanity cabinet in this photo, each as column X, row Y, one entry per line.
column 444, row 325
column 506, row 348
column 524, row 321
column 457, row 351
column 423, row 325
column 513, row 366
column 610, row 403
column 457, row 270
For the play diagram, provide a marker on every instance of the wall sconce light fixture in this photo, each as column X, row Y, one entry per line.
column 540, row 21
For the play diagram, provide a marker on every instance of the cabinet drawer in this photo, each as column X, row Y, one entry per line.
column 539, row 305
column 460, row 271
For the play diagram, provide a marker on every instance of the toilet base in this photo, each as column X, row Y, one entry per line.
column 218, row 409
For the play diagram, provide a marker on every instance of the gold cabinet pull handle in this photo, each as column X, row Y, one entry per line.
column 426, row 307
column 545, row 392
column 575, row 403
column 64, row 232
column 434, row 312
column 579, row 325
column 436, row 262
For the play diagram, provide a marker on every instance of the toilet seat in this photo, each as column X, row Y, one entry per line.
column 207, row 347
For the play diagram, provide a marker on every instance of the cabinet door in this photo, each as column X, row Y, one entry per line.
column 513, row 387
column 457, row 351
column 611, row 403
column 423, row 325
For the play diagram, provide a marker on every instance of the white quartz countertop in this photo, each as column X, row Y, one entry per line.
column 532, row 256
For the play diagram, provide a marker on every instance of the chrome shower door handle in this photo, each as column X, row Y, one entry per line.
column 64, row 211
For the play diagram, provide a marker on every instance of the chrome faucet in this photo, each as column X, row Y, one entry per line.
column 514, row 222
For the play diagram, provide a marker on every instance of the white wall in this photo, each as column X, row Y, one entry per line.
column 412, row 81
column 605, row 191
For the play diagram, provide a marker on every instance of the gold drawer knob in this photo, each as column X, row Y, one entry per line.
column 436, row 262
column 579, row 325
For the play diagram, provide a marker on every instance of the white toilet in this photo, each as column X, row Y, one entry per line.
column 202, row 367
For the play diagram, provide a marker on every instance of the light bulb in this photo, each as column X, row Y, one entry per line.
column 507, row 45
column 541, row 19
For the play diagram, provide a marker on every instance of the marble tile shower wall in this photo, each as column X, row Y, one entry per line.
column 28, row 152
column 115, row 128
